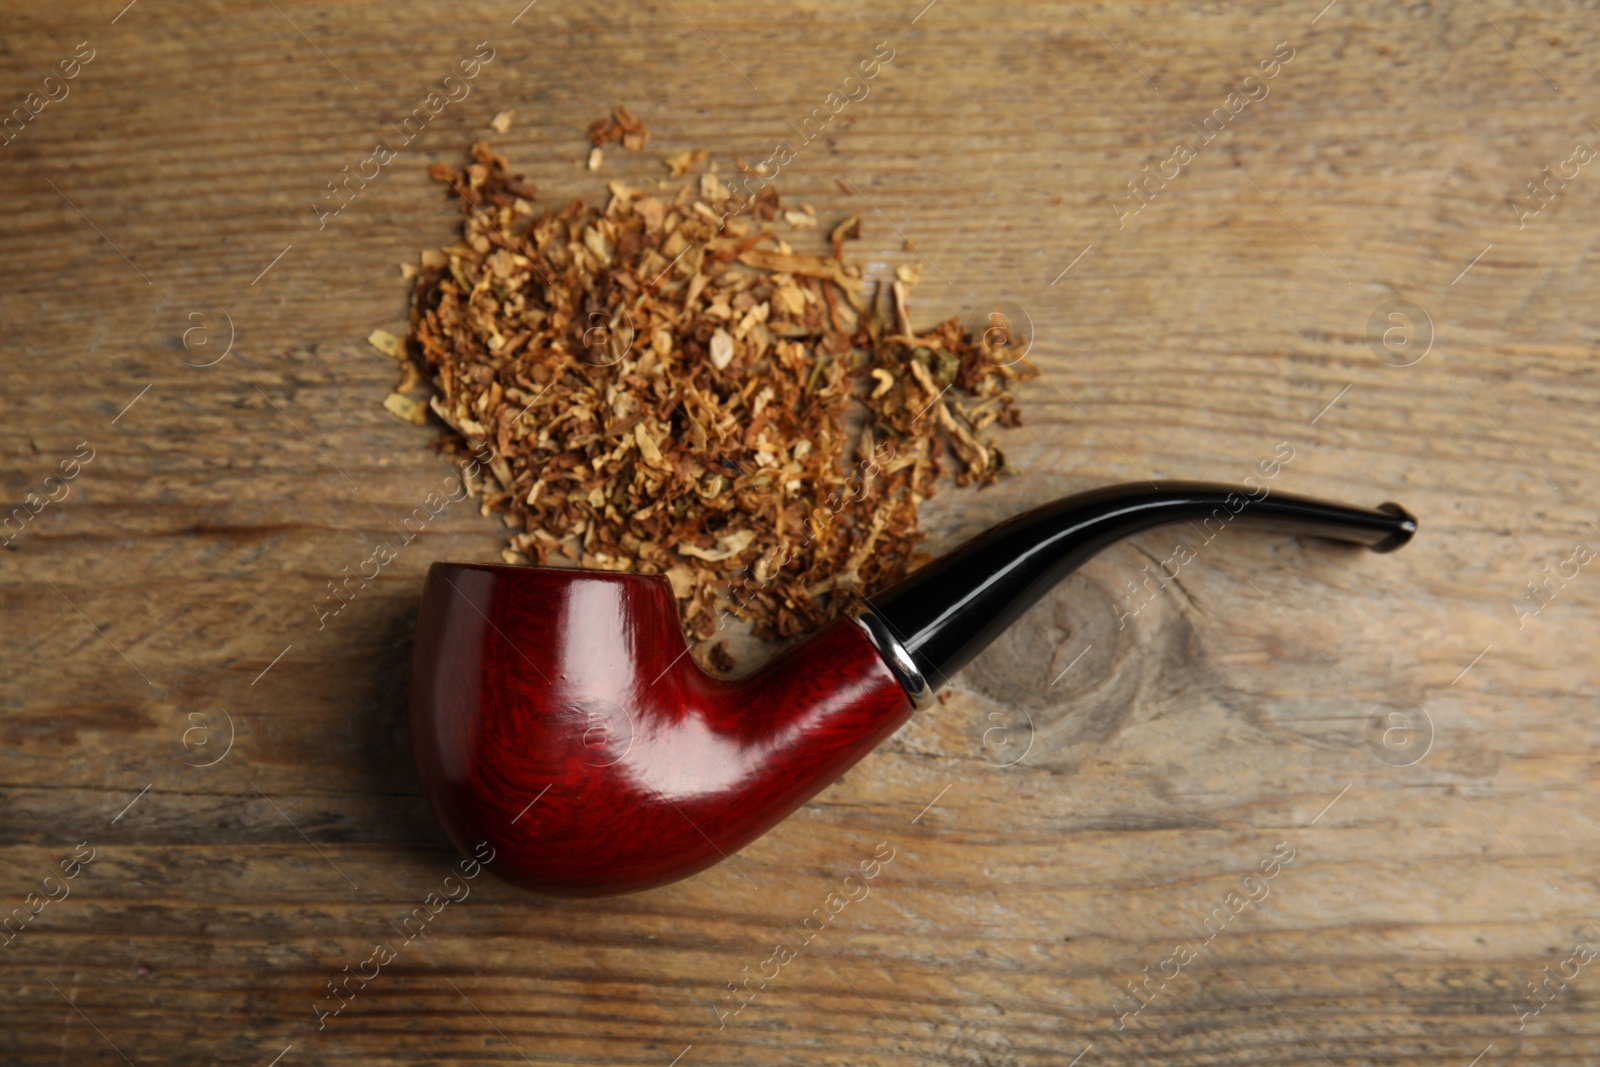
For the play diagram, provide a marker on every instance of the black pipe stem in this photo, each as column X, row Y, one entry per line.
column 947, row 612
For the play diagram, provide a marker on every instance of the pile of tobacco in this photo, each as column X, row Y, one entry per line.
column 667, row 387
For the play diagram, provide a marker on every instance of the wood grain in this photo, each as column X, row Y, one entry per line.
column 1168, row 756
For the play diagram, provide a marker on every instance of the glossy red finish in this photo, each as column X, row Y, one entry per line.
column 557, row 715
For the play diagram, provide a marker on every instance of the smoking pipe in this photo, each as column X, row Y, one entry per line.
column 557, row 715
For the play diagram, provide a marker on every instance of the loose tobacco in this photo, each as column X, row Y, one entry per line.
column 669, row 388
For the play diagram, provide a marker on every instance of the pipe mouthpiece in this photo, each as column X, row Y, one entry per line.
column 1405, row 528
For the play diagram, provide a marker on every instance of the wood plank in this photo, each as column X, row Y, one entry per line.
column 1165, row 758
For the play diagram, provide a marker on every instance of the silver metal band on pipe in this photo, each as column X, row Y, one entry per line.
column 897, row 659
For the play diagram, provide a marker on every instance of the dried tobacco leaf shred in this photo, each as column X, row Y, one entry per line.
column 621, row 126
column 669, row 391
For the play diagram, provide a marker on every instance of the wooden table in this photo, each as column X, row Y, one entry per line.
column 1425, row 750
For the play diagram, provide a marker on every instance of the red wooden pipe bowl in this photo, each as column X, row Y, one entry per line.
column 557, row 715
